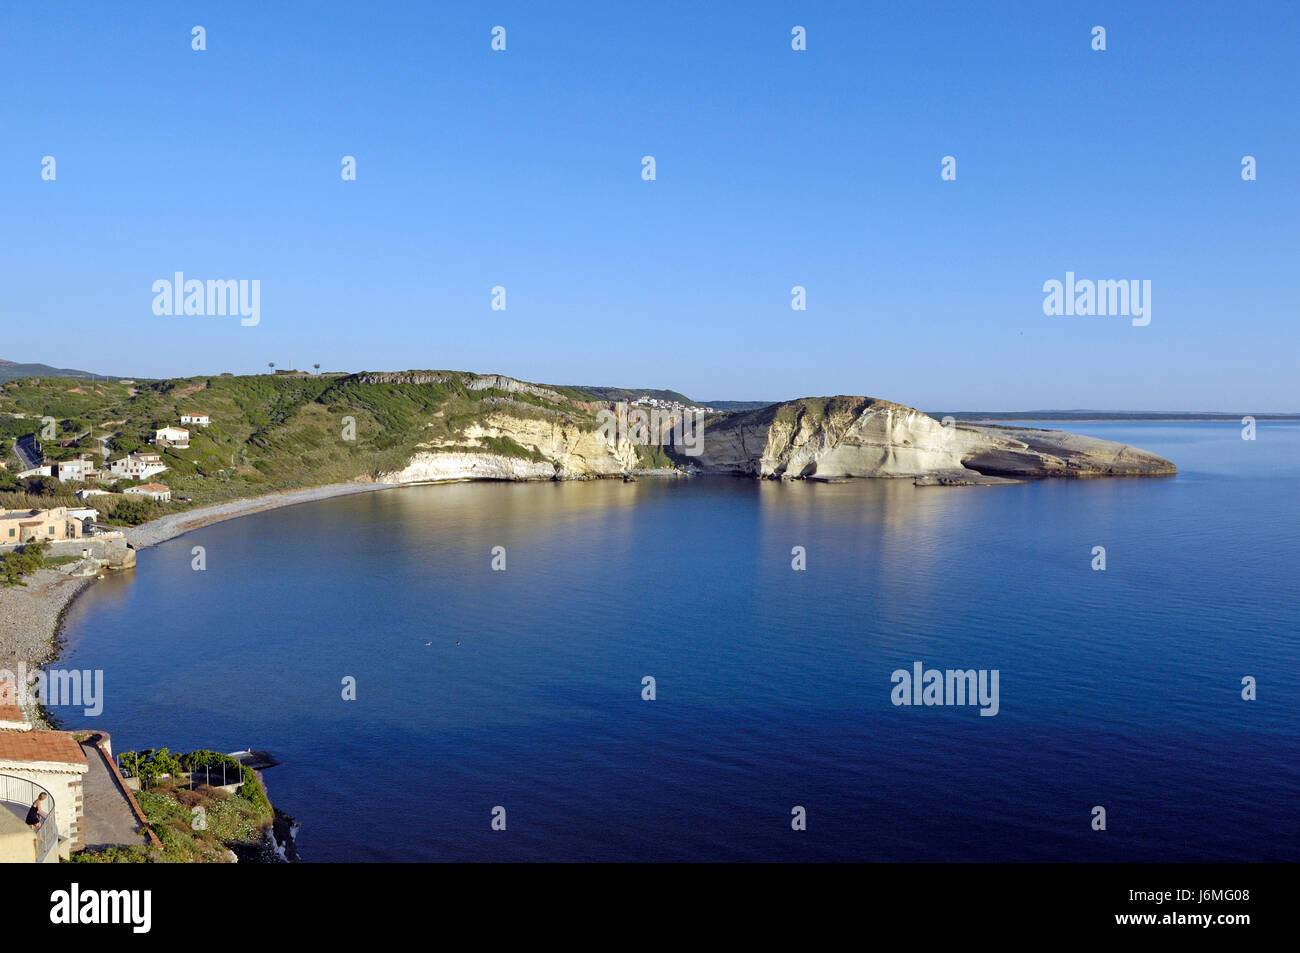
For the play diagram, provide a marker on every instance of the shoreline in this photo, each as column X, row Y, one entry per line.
column 32, row 616
column 178, row 524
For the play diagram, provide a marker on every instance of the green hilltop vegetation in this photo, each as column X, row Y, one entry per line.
column 269, row 432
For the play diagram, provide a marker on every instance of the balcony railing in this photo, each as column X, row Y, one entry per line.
column 24, row 792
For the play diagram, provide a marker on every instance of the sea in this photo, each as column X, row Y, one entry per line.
column 710, row 669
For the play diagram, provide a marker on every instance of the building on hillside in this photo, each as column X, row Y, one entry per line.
column 155, row 491
column 198, row 420
column 83, row 513
column 87, row 494
column 177, row 437
column 23, row 526
column 45, row 469
column 80, row 470
column 136, row 466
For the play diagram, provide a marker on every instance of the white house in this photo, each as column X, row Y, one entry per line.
column 198, row 420
column 43, row 470
column 79, row 470
column 155, row 491
column 177, row 437
column 87, row 494
column 137, row 466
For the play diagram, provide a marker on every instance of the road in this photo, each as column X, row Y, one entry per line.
column 26, row 453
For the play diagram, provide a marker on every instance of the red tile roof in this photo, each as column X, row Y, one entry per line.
column 40, row 746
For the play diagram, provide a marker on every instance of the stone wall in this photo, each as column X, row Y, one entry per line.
column 112, row 550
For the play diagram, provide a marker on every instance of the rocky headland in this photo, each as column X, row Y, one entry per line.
column 834, row 438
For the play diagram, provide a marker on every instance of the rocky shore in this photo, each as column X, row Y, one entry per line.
column 30, row 616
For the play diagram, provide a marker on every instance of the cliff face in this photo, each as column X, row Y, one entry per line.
column 830, row 438
column 844, row 437
column 545, row 447
column 824, row 438
column 468, row 380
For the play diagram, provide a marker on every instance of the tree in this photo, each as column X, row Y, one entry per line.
column 17, row 564
column 131, row 512
column 41, row 486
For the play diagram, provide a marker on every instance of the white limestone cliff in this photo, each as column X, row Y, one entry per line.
column 824, row 438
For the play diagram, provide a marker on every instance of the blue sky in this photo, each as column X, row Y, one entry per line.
column 774, row 169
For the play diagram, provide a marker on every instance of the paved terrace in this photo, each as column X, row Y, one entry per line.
column 108, row 818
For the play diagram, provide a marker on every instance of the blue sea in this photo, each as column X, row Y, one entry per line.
column 523, row 689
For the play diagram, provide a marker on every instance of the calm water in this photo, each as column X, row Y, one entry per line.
column 1118, row 688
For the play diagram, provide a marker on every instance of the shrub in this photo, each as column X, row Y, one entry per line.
column 131, row 512
column 252, row 790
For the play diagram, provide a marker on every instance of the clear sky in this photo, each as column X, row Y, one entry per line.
column 774, row 168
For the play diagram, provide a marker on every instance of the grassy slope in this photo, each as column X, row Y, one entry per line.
column 269, row 432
